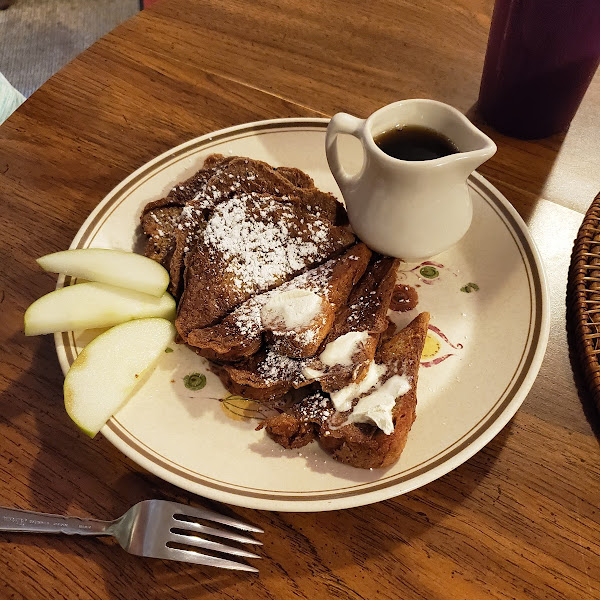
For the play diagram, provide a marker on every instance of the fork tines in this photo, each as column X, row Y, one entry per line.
column 184, row 531
column 209, row 515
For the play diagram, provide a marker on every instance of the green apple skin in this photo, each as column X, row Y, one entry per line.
column 103, row 377
column 115, row 267
column 93, row 305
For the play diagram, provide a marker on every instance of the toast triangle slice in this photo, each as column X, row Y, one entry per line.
column 366, row 446
column 360, row 445
column 172, row 224
column 269, row 373
column 251, row 244
column 241, row 333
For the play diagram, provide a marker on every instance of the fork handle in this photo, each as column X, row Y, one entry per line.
column 13, row 519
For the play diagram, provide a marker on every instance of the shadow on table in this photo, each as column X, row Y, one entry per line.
column 324, row 543
column 65, row 468
column 70, row 474
column 318, row 546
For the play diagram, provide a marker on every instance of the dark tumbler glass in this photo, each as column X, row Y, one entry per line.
column 541, row 57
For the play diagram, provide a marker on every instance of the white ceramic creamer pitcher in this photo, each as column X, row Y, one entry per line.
column 409, row 209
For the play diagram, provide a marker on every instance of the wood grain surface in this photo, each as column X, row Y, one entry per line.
column 518, row 520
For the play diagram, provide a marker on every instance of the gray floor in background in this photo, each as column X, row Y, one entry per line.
column 38, row 37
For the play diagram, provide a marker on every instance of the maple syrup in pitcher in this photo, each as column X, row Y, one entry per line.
column 413, row 142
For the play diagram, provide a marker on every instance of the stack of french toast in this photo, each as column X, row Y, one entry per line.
column 289, row 306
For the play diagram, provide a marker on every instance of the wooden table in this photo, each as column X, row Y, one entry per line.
column 518, row 520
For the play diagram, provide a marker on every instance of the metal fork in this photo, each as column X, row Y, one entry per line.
column 150, row 528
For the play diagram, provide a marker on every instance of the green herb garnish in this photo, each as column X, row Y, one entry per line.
column 470, row 287
column 194, row 381
column 429, row 272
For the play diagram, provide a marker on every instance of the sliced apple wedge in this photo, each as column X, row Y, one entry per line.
column 91, row 305
column 104, row 375
column 115, row 267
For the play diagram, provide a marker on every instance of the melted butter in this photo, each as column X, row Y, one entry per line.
column 341, row 350
column 311, row 373
column 292, row 308
column 342, row 399
column 377, row 407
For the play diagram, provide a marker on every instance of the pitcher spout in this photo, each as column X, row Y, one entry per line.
column 471, row 160
column 474, row 147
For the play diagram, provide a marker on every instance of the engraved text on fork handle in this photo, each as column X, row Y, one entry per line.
column 33, row 522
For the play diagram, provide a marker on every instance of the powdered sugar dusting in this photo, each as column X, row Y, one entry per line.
column 276, row 367
column 254, row 234
column 315, row 407
column 247, row 317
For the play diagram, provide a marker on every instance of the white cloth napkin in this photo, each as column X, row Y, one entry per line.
column 10, row 99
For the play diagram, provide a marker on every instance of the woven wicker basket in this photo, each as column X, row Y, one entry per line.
column 583, row 298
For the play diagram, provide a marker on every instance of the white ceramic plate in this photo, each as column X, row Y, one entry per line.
column 484, row 349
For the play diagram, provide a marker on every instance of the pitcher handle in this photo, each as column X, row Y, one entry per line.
column 342, row 123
